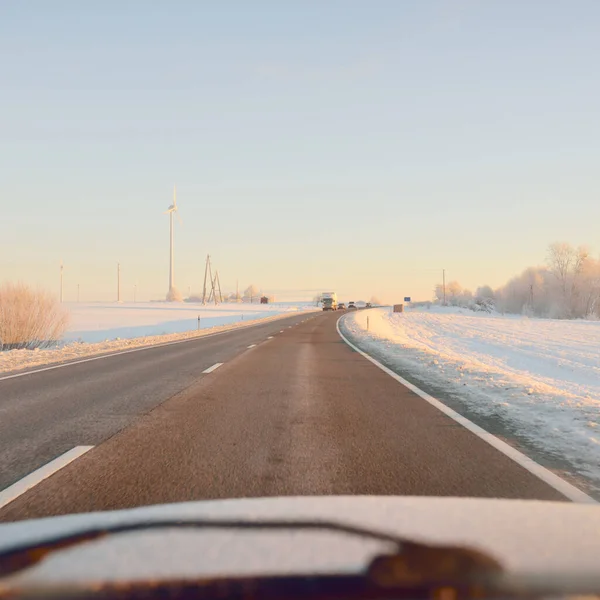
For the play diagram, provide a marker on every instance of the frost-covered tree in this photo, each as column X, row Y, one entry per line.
column 568, row 286
column 251, row 293
column 484, row 292
column 586, row 298
column 456, row 295
column 567, row 263
column 454, row 292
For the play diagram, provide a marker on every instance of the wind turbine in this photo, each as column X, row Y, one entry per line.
column 173, row 295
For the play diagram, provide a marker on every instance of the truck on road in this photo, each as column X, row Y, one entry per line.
column 329, row 300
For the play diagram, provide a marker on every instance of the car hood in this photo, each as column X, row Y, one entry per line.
column 525, row 536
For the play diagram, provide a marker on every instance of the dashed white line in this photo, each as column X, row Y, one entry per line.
column 270, row 337
column 251, row 346
column 213, row 368
column 20, row 487
column 130, row 351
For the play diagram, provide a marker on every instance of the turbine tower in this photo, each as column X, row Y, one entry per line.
column 173, row 295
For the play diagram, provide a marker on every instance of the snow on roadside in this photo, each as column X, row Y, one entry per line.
column 541, row 376
column 15, row 360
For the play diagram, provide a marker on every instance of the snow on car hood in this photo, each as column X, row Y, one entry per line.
column 526, row 536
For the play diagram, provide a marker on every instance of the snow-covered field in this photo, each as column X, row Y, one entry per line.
column 98, row 322
column 97, row 328
column 539, row 377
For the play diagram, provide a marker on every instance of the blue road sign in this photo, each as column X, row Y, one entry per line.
column 407, row 299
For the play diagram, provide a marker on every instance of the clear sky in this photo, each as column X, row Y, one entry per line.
column 316, row 145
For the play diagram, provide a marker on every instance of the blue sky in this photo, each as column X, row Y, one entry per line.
column 348, row 145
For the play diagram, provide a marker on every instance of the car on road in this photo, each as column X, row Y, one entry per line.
column 341, row 306
column 351, row 305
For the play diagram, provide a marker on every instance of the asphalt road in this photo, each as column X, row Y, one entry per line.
column 300, row 413
column 44, row 414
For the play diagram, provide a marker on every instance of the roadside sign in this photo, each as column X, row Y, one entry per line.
column 406, row 298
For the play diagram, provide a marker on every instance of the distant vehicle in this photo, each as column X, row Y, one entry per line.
column 329, row 300
column 368, row 305
column 341, row 306
column 351, row 305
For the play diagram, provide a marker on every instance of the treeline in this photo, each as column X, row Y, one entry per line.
column 567, row 286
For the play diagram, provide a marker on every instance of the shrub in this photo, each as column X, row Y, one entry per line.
column 29, row 318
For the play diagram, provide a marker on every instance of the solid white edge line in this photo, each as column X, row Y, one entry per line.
column 270, row 337
column 12, row 492
column 162, row 344
column 213, row 368
column 554, row 481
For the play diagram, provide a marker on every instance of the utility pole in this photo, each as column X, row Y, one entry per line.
column 205, row 276
column 62, row 268
column 218, row 281
column 213, row 287
column 444, row 283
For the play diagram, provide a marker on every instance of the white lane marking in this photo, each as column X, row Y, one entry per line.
column 270, row 337
column 213, row 368
column 281, row 331
column 554, row 481
column 20, row 487
column 92, row 358
column 251, row 346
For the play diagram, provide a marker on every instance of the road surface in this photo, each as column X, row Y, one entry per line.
column 297, row 413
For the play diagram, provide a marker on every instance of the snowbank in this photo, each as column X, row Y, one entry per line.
column 540, row 377
column 100, row 328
